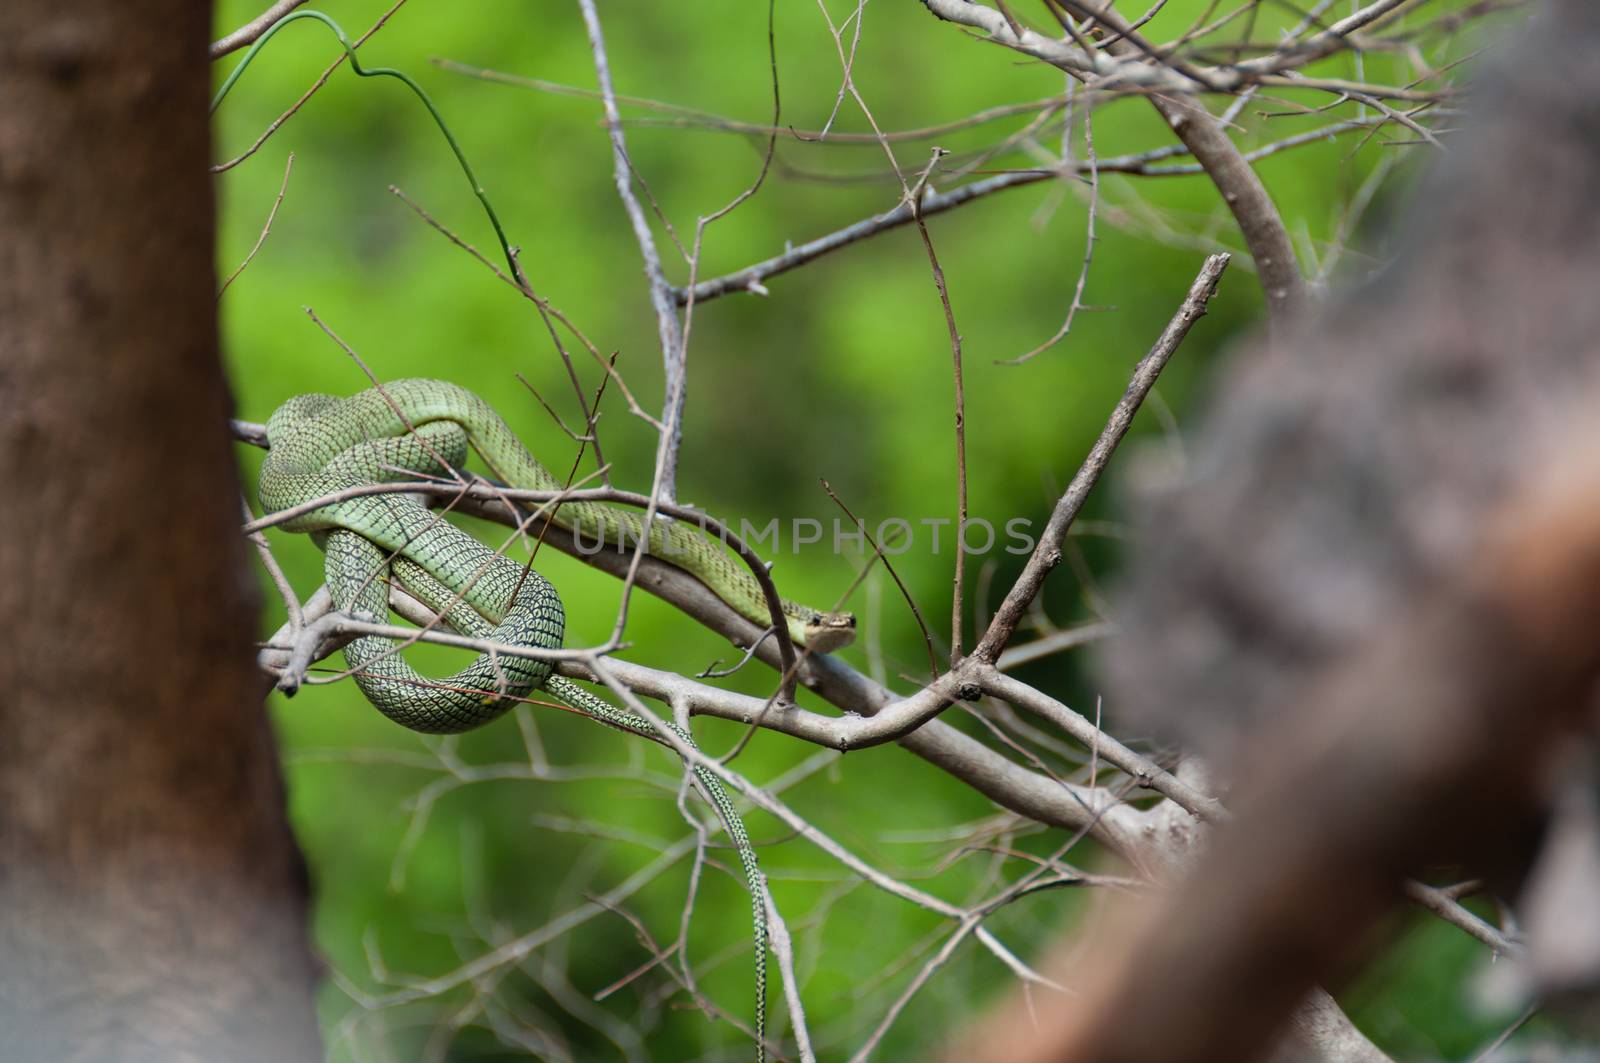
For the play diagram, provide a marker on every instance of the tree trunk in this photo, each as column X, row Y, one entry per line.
column 152, row 899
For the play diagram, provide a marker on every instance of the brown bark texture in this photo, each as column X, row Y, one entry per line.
column 152, row 898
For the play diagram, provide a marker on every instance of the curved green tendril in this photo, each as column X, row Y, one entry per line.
column 380, row 71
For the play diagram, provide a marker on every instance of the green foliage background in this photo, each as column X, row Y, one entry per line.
column 842, row 372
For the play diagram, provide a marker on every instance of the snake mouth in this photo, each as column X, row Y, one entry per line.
column 826, row 632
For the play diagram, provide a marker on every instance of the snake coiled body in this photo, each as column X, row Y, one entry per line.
column 320, row 445
column 321, row 450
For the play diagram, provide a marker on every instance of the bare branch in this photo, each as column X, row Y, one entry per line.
column 673, row 355
column 266, row 229
column 1047, row 554
column 1071, row 638
column 247, row 34
column 1057, row 53
column 1146, row 163
column 1446, row 907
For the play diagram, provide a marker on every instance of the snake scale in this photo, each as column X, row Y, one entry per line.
column 319, row 445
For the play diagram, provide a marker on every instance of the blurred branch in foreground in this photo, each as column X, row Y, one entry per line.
column 1400, row 670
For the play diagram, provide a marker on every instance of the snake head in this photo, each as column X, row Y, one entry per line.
column 826, row 632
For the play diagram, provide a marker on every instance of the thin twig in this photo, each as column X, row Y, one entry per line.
column 322, row 79
column 1047, row 553
column 1057, row 642
column 958, row 579
column 1452, row 911
column 1088, row 251
column 549, row 313
column 266, row 229
column 805, row 829
column 905, row 592
column 291, row 603
column 673, row 355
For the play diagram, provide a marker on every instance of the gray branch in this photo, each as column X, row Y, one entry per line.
column 251, row 31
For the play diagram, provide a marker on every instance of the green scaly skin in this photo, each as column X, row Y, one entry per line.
column 317, row 429
column 319, row 445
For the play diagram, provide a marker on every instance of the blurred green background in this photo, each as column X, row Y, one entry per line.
column 427, row 853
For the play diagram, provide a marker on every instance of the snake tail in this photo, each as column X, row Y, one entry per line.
column 599, row 709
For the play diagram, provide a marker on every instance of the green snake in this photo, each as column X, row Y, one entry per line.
column 320, row 445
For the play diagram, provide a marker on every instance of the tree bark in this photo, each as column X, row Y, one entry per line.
column 152, row 899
